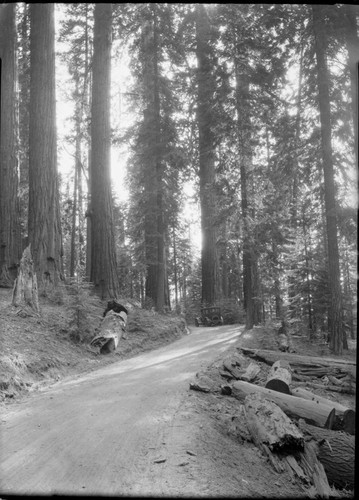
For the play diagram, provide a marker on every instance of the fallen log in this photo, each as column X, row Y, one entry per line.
column 279, row 377
column 345, row 422
column 278, row 432
column 336, row 451
column 112, row 329
column 345, row 389
column 312, row 412
column 300, row 361
column 303, row 393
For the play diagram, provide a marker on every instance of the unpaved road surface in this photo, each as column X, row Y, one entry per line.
column 124, row 429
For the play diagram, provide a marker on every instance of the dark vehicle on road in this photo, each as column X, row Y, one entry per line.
column 210, row 316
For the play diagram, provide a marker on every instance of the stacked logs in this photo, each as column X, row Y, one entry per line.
column 296, row 429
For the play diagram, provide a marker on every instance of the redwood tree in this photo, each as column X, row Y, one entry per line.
column 336, row 313
column 103, row 255
column 44, row 213
column 9, row 210
column 206, row 87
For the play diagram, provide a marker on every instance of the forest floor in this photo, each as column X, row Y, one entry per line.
column 37, row 351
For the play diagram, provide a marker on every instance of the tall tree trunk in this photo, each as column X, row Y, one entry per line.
column 149, row 166
column 10, row 237
column 23, row 110
column 161, row 230
column 206, row 87
column 244, row 136
column 44, row 210
column 175, row 271
column 352, row 42
column 103, row 255
column 336, row 333
column 155, row 227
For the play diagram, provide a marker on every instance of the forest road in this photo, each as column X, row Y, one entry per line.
column 126, row 429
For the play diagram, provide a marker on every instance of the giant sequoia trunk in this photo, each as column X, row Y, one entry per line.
column 336, row 319
column 44, row 211
column 352, row 42
column 155, row 228
column 206, row 86
column 250, row 283
column 10, row 241
column 103, row 254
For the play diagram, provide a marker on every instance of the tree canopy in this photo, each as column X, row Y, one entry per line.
column 203, row 155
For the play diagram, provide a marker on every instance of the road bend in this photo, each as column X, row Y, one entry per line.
column 112, row 431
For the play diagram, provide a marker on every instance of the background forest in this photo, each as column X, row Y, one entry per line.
column 185, row 154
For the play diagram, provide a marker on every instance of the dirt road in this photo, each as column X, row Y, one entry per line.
column 123, row 429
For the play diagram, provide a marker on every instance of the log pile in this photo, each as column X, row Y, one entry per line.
column 296, row 429
column 336, row 451
column 332, row 374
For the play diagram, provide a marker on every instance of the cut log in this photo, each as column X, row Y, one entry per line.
column 251, row 372
column 306, row 365
column 25, row 292
column 270, row 357
column 313, row 413
column 345, row 389
column 279, row 377
column 112, row 329
column 336, row 451
column 310, row 396
column 270, row 426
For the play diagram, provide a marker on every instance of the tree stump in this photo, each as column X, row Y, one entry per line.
column 25, row 292
column 279, row 377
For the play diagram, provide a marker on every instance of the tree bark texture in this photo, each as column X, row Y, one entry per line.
column 10, row 237
column 103, row 255
column 351, row 13
column 270, row 426
column 206, row 86
column 44, row 210
column 336, row 451
column 336, row 313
